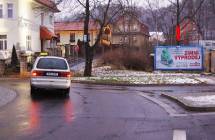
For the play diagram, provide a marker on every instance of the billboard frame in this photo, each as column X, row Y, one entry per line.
column 175, row 69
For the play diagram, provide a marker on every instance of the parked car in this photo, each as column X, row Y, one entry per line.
column 50, row 73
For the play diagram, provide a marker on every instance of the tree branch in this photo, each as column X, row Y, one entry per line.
column 81, row 3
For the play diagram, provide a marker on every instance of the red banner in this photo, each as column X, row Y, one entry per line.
column 178, row 33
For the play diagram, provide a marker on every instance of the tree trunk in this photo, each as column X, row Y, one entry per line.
column 89, row 50
column 88, row 59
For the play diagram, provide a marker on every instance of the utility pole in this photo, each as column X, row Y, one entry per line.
column 178, row 33
column 87, row 70
column 157, row 24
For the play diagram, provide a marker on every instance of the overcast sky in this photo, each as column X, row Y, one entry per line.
column 161, row 3
column 69, row 6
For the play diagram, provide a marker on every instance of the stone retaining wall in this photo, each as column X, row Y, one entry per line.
column 2, row 67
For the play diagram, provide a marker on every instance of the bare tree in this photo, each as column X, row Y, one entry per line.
column 177, row 12
column 212, row 3
column 102, row 13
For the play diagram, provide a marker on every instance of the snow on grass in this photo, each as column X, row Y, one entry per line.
column 141, row 80
column 106, row 73
column 208, row 80
column 206, row 100
column 182, row 80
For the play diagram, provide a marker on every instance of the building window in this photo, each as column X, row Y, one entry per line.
column 135, row 27
column 51, row 19
column 121, row 28
column 3, row 42
column 58, row 37
column 72, row 37
column 1, row 11
column 127, row 19
column 10, row 10
column 42, row 18
column 134, row 38
column 126, row 28
column 121, row 40
column 89, row 38
column 207, row 44
column 126, row 39
column 28, row 42
column 52, row 43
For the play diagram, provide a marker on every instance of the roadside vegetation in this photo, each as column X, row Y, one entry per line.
column 13, row 67
column 128, row 59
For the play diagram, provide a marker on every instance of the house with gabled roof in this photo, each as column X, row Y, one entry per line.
column 70, row 32
column 26, row 24
column 129, row 31
column 189, row 32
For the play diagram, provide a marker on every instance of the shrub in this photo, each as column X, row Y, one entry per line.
column 127, row 58
column 14, row 60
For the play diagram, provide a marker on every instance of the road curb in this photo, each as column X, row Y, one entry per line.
column 186, row 106
column 136, row 85
column 166, row 107
column 6, row 96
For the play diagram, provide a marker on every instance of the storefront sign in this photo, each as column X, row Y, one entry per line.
column 178, row 58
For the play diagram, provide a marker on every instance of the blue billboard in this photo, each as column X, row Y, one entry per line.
column 178, row 58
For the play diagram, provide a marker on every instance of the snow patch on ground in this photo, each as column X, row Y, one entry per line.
column 106, row 73
column 207, row 80
column 78, row 67
column 206, row 100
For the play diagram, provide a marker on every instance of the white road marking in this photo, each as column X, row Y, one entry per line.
column 179, row 135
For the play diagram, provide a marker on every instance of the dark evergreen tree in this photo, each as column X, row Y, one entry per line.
column 14, row 58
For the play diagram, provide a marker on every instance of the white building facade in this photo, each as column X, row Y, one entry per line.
column 26, row 24
column 206, row 44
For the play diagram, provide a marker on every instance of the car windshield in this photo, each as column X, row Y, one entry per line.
column 52, row 63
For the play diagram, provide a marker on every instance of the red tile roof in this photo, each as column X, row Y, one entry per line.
column 50, row 4
column 74, row 26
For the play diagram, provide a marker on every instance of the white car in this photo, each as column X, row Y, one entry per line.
column 50, row 72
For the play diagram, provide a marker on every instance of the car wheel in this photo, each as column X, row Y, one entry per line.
column 33, row 91
column 66, row 91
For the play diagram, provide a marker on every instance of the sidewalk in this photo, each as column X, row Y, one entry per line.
column 78, row 66
column 6, row 96
column 194, row 101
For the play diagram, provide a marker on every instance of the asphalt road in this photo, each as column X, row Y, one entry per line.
column 96, row 112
